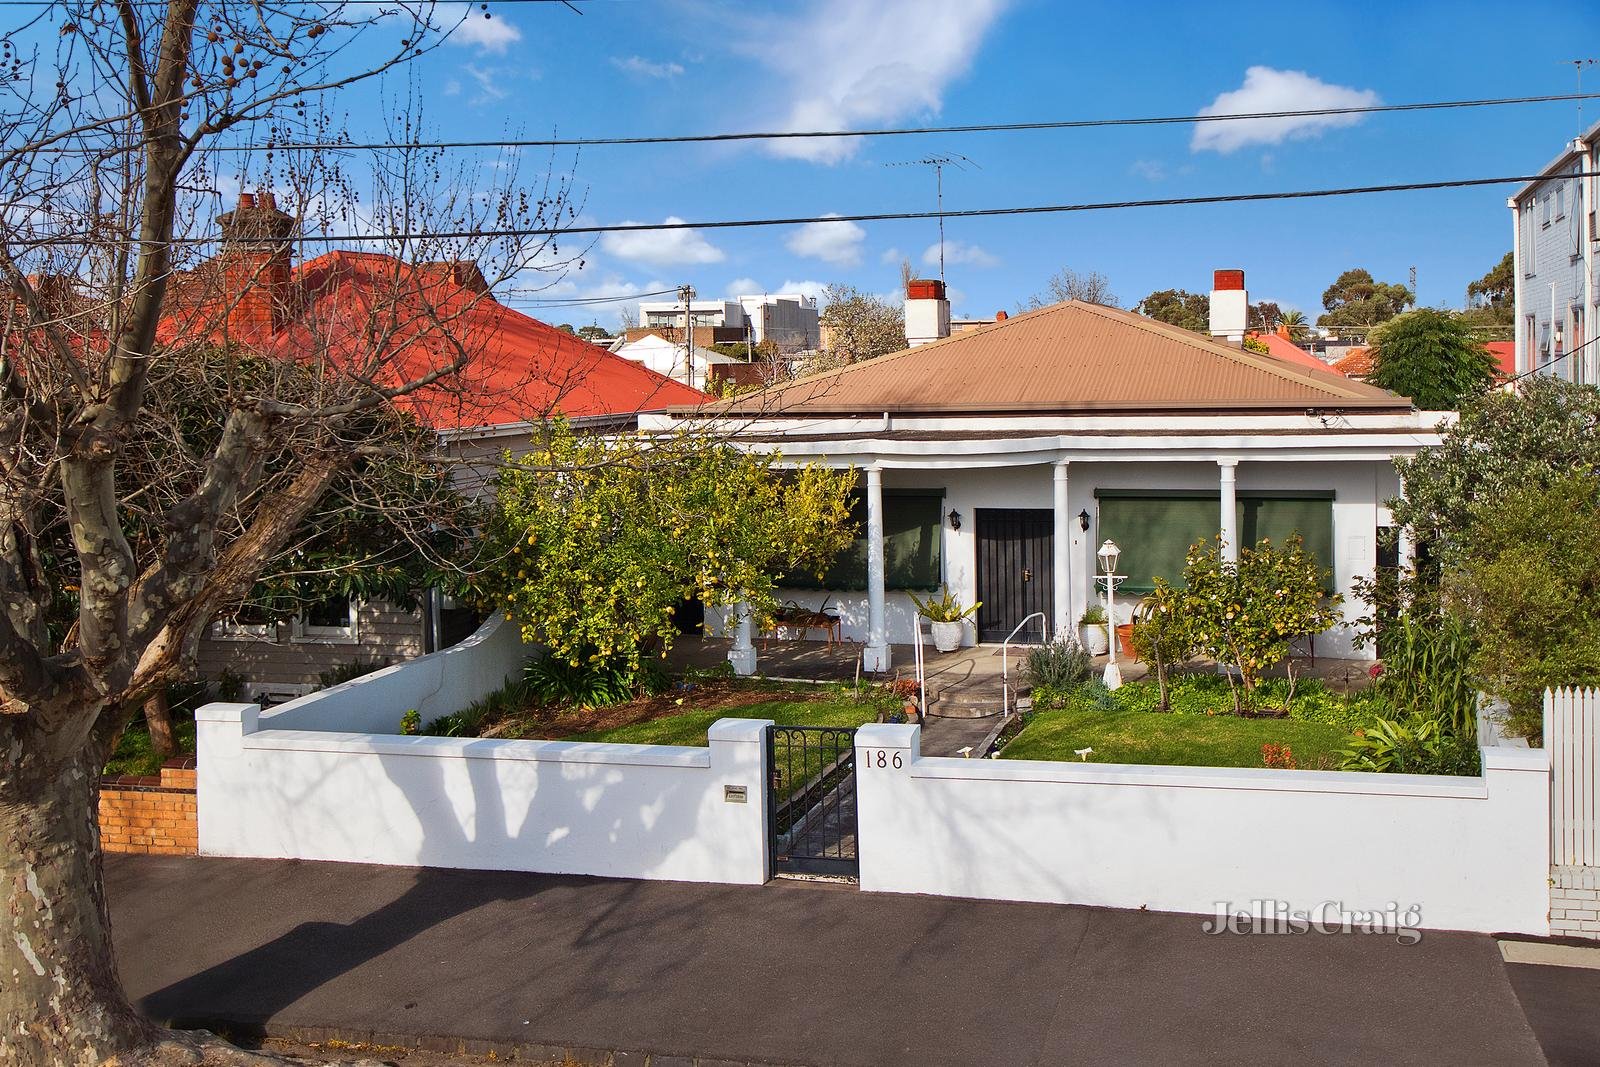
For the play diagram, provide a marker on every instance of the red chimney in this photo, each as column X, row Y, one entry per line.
column 1000, row 316
column 925, row 289
column 1227, row 279
column 255, row 267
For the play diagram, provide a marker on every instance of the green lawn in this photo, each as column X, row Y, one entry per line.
column 1178, row 739
column 134, row 755
column 690, row 727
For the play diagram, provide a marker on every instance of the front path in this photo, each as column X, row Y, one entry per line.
column 784, row 974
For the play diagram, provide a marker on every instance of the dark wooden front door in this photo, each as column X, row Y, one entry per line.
column 1016, row 557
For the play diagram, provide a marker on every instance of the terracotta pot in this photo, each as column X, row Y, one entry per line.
column 1125, row 640
column 911, row 710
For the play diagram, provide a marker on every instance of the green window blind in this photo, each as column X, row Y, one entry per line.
column 1155, row 531
column 913, row 536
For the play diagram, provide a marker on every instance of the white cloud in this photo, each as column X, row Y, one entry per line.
column 866, row 63
column 744, row 287
column 960, row 252
column 488, row 80
column 1150, row 170
column 644, row 68
column 476, row 29
column 891, row 255
column 809, row 287
column 661, row 247
column 838, row 243
column 1266, row 89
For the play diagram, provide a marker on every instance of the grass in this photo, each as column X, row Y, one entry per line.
column 134, row 754
column 1180, row 740
column 836, row 707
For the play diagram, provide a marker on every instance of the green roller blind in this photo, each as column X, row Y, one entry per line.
column 913, row 536
column 1155, row 531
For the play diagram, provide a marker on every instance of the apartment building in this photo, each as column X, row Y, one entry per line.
column 1554, row 234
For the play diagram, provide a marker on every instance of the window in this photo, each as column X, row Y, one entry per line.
column 1561, row 199
column 333, row 619
column 913, row 538
column 1544, row 209
column 1155, row 531
column 1528, row 269
column 1544, row 343
column 1527, row 341
column 1579, row 357
column 249, row 623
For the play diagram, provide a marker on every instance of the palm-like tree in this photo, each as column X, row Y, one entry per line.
column 1295, row 320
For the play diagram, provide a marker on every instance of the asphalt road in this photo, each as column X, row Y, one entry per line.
column 786, row 974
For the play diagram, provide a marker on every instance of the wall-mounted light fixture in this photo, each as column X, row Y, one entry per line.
column 1083, row 521
column 955, row 519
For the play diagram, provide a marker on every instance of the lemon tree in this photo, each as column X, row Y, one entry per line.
column 598, row 540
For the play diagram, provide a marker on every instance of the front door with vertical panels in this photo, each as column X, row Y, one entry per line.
column 1016, row 557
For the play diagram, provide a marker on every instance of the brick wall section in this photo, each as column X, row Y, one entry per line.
column 153, row 815
column 1575, row 902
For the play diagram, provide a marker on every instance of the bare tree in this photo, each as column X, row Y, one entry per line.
column 124, row 532
column 1091, row 287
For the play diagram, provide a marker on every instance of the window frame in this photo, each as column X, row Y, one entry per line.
column 304, row 633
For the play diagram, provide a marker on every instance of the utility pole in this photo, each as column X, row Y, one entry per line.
column 686, row 294
column 1413, row 286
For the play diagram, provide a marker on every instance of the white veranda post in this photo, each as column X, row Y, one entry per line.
column 1229, row 470
column 1062, row 552
column 875, row 657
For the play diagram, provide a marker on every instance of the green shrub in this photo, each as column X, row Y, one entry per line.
column 593, row 683
column 471, row 720
column 1164, row 639
column 1094, row 695
column 1427, row 672
column 411, row 722
column 1415, row 745
column 230, row 686
column 1059, row 666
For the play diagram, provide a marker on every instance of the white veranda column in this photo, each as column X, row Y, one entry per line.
column 1229, row 469
column 1062, row 551
column 743, row 653
column 875, row 657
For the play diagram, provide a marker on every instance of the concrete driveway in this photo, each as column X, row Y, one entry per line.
column 783, row 974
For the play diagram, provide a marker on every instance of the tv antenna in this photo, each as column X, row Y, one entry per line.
column 1577, row 68
column 939, row 161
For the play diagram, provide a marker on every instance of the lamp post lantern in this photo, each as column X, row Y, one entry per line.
column 1109, row 554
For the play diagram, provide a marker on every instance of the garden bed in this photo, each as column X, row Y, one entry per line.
column 1199, row 730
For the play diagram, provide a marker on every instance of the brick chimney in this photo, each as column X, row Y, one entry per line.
column 1230, row 305
column 255, row 267
column 927, row 312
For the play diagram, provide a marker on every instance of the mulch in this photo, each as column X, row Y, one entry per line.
column 554, row 722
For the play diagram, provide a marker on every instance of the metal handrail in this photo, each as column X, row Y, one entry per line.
column 1005, row 656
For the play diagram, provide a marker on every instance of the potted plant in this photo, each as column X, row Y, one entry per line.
column 1092, row 630
column 909, row 692
column 947, row 615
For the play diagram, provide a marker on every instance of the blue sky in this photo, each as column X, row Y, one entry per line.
column 680, row 66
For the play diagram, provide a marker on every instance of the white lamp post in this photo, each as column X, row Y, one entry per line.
column 1109, row 553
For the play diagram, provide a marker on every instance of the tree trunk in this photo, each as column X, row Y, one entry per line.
column 158, row 718
column 60, row 998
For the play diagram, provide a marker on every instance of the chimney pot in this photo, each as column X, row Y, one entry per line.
column 1000, row 316
column 247, row 201
column 925, row 289
column 1227, row 279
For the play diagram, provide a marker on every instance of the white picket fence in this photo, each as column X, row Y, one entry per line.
column 1572, row 735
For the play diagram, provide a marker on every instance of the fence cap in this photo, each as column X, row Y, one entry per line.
column 749, row 731
column 1507, row 758
column 889, row 735
column 222, row 711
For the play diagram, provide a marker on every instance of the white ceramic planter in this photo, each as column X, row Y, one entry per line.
column 946, row 635
column 1094, row 639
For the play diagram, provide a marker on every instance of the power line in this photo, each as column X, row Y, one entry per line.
column 988, row 127
column 967, row 213
column 585, row 301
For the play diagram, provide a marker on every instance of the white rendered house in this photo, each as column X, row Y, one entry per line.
column 996, row 461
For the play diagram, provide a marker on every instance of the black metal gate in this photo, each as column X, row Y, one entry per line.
column 1016, row 564
column 811, row 798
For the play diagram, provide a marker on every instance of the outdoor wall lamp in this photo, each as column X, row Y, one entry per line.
column 1083, row 520
column 955, row 519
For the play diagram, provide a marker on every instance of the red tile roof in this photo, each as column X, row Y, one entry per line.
column 1285, row 349
column 1505, row 356
column 344, row 307
column 1356, row 363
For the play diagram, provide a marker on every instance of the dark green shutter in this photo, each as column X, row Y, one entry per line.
column 1155, row 531
column 913, row 536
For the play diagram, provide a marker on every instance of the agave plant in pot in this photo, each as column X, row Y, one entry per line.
column 1092, row 630
column 946, row 614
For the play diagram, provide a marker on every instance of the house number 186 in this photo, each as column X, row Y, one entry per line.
column 881, row 758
